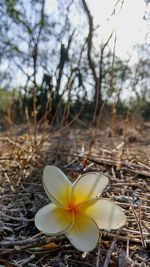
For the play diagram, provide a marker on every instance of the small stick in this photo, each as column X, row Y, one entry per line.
column 22, row 242
column 99, row 251
column 80, row 263
column 25, row 261
column 133, row 206
column 127, row 250
column 123, row 238
column 139, row 225
column 110, row 251
column 17, row 218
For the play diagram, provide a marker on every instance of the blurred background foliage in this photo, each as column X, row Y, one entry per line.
column 50, row 66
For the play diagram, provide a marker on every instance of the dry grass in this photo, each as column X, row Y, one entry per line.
column 126, row 162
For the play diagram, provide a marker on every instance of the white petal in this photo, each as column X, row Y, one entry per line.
column 89, row 185
column 57, row 185
column 53, row 220
column 84, row 233
column 106, row 214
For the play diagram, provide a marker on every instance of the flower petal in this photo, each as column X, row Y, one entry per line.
column 53, row 220
column 88, row 186
column 84, row 233
column 106, row 214
column 57, row 185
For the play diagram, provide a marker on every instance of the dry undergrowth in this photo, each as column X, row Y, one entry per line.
column 126, row 162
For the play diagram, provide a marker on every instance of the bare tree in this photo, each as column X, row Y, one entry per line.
column 98, row 77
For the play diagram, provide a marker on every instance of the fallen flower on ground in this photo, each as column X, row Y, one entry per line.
column 77, row 210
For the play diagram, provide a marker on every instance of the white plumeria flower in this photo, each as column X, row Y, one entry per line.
column 77, row 209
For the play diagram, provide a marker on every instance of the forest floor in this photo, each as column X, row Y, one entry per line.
column 123, row 158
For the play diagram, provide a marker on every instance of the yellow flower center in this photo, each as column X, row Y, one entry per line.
column 74, row 202
column 73, row 207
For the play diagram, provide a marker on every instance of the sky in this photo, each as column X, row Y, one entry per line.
column 124, row 19
column 127, row 23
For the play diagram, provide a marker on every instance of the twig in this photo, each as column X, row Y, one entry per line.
column 17, row 218
column 131, row 238
column 139, row 225
column 110, row 251
column 25, row 261
column 99, row 251
column 22, row 242
column 80, row 263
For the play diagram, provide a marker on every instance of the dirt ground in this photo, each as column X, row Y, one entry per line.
column 123, row 157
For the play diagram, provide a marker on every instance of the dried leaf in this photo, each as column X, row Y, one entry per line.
column 51, row 245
